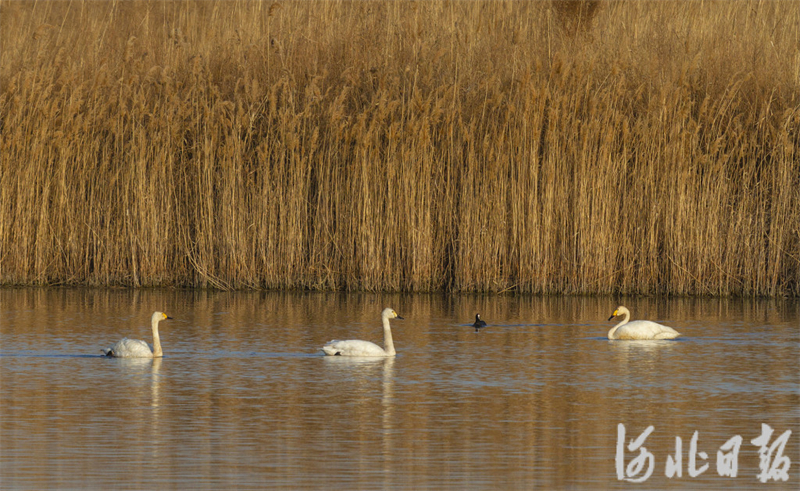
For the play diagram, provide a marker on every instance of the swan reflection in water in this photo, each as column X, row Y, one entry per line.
column 148, row 367
column 357, row 377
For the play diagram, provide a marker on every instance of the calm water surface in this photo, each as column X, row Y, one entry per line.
column 242, row 398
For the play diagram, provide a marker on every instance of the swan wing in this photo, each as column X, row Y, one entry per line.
column 130, row 348
column 353, row 347
column 646, row 330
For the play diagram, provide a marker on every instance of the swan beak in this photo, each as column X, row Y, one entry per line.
column 613, row 315
column 398, row 317
column 167, row 317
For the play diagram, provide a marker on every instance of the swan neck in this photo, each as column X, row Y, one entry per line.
column 388, row 344
column 626, row 316
column 156, row 341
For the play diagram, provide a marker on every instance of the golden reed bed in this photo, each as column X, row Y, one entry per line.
column 634, row 147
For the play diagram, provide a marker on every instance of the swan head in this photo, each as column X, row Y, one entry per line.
column 620, row 311
column 478, row 317
column 159, row 316
column 389, row 313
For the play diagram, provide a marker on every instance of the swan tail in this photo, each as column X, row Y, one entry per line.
column 329, row 350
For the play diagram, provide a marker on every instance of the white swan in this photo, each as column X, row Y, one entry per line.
column 135, row 348
column 639, row 329
column 355, row 347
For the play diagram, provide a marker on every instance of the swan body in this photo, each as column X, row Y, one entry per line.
column 478, row 322
column 356, row 347
column 135, row 348
column 639, row 329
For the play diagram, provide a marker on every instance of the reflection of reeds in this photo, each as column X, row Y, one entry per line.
column 402, row 146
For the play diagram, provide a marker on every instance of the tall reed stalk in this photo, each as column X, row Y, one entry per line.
column 633, row 147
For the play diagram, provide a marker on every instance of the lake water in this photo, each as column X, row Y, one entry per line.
column 243, row 399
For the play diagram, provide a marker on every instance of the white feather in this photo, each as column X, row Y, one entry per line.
column 130, row 348
column 135, row 348
column 355, row 347
column 639, row 329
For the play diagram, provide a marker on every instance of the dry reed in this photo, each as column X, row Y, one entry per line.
column 632, row 147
